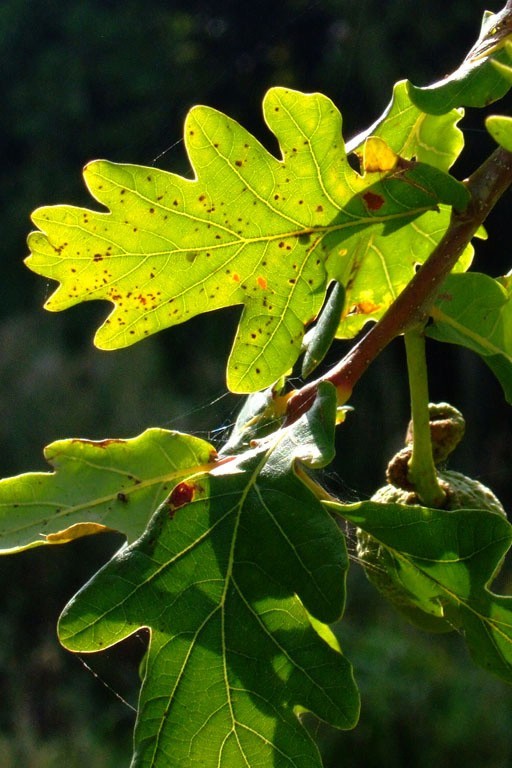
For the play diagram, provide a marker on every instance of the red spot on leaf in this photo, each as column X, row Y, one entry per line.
column 236, row 277
column 182, row 494
column 262, row 282
column 373, row 201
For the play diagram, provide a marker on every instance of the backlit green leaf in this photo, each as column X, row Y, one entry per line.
column 379, row 274
column 475, row 311
column 96, row 485
column 412, row 133
column 500, row 128
column 448, row 559
column 226, row 582
column 249, row 229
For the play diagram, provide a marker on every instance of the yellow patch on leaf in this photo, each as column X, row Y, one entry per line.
column 76, row 531
column 378, row 157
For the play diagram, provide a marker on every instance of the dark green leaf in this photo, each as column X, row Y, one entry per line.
column 447, row 560
column 475, row 311
column 477, row 82
column 318, row 341
column 227, row 584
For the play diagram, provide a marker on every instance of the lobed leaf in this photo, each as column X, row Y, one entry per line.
column 448, row 559
column 379, row 274
column 475, row 311
column 249, row 229
column 412, row 133
column 96, row 486
column 235, row 584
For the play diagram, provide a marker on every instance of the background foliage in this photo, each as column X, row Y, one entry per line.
column 101, row 78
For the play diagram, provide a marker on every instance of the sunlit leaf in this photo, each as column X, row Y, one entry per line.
column 249, row 229
column 500, row 128
column 235, row 584
column 412, row 133
column 378, row 275
column 95, row 486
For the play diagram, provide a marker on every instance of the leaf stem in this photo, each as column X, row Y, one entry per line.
column 422, row 471
column 486, row 185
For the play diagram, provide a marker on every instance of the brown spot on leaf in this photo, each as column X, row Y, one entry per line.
column 373, row 201
column 98, row 443
column 364, row 308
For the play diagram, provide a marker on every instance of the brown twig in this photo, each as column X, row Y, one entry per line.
column 486, row 185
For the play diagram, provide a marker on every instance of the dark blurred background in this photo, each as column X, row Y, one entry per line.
column 103, row 78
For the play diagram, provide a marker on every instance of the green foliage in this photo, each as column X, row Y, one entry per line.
column 106, row 484
column 227, row 591
column 447, row 572
column 233, row 560
column 250, row 230
column 474, row 310
column 478, row 81
column 500, row 129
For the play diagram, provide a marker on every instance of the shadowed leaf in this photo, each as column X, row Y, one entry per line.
column 475, row 311
column 447, row 560
column 477, row 82
column 227, row 585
